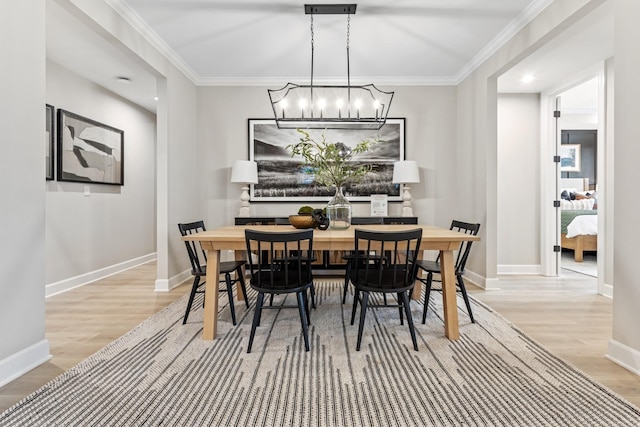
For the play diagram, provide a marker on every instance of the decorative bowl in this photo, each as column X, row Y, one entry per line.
column 302, row 221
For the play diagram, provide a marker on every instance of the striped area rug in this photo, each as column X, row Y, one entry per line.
column 162, row 374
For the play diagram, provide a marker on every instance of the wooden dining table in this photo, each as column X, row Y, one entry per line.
column 232, row 238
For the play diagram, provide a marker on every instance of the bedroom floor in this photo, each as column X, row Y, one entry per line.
column 589, row 265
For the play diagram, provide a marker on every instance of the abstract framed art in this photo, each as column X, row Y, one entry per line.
column 570, row 158
column 89, row 151
column 48, row 142
column 283, row 178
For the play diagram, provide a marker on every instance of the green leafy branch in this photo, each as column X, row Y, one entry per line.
column 331, row 162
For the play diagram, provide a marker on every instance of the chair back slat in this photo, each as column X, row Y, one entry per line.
column 465, row 247
column 397, row 269
column 194, row 248
column 280, row 259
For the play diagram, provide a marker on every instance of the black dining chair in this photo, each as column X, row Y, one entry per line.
column 396, row 275
column 198, row 259
column 349, row 256
column 433, row 267
column 281, row 265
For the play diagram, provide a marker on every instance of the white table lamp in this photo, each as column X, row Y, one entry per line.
column 406, row 172
column 245, row 172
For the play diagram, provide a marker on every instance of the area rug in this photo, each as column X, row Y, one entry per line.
column 163, row 374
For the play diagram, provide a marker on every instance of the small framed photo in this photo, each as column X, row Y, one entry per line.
column 48, row 142
column 89, row 151
column 570, row 158
column 379, row 204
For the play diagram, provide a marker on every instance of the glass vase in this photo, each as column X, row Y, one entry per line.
column 339, row 211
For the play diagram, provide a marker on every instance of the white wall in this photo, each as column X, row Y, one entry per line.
column 430, row 135
column 22, row 173
column 112, row 224
column 518, row 183
column 624, row 347
column 176, row 135
column 477, row 131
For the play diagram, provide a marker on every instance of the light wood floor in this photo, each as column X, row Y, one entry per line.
column 566, row 316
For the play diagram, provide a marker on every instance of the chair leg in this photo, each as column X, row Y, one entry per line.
column 347, row 273
column 243, row 288
column 232, row 307
column 256, row 320
column 313, row 296
column 356, row 297
column 427, row 295
column 363, row 313
column 303, row 318
column 412, row 331
column 400, row 308
column 194, row 288
column 306, row 306
column 463, row 290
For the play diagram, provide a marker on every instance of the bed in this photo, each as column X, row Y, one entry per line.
column 578, row 219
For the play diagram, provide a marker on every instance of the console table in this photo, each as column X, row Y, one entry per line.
column 271, row 220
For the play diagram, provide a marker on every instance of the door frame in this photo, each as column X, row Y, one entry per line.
column 550, row 175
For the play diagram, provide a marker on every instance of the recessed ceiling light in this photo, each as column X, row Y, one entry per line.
column 155, row 98
column 528, row 78
column 123, row 79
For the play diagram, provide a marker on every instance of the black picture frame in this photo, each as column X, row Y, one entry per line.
column 49, row 142
column 89, row 151
column 282, row 178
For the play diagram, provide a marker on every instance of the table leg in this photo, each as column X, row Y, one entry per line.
column 417, row 289
column 240, row 255
column 210, row 327
column 447, row 271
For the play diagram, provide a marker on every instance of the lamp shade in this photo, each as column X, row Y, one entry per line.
column 244, row 171
column 406, row 172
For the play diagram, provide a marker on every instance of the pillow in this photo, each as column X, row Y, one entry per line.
column 584, row 204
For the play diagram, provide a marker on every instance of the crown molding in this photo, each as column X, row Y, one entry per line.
column 503, row 37
column 132, row 17
column 282, row 81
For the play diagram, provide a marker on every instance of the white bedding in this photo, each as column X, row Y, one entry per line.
column 583, row 224
column 577, row 204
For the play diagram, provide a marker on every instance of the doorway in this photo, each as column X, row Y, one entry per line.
column 579, row 131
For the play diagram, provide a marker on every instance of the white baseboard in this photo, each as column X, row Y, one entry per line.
column 92, row 276
column 23, row 361
column 528, row 270
column 607, row 290
column 481, row 281
column 625, row 356
column 165, row 285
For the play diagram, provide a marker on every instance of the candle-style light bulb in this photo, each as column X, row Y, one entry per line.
column 339, row 104
column 284, row 104
column 321, row 104
column 358, row 105
column 302, row 103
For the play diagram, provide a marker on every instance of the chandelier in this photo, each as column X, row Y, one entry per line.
column 330, row 107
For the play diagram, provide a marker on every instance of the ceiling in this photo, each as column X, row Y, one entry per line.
column 263, row 42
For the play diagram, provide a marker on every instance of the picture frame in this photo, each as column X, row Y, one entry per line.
column 570, row 158
column 89, row 151
column 49, row 142
column 282, row 178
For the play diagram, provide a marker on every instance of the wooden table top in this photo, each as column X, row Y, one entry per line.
column 232, row 237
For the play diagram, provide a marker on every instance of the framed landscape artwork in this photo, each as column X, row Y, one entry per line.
column 283, row 178
column 89, row 151
column 48, row 142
